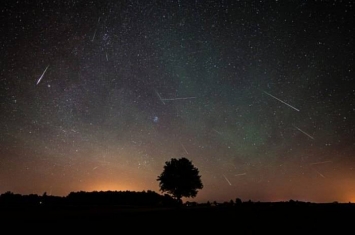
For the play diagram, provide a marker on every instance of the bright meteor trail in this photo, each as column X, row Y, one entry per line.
column 39, row 80
column 281, row 101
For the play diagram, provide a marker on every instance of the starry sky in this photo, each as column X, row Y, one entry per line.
column 259, row 95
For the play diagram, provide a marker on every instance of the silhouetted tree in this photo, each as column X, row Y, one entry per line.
column 238, row 201
column 180, row 178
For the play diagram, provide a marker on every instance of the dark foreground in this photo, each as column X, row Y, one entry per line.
column 247, row 218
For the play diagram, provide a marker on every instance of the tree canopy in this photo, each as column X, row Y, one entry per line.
column 180, row 178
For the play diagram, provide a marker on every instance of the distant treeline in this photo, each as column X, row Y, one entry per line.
column 120, row 198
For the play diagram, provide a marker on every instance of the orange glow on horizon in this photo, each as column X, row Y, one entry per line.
column 111, row 187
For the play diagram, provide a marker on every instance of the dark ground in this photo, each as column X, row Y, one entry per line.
column 246, row 218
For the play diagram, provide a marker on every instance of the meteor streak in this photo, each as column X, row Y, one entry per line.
column 42, row 75
column 282, row 101
column 160, row 97
column 183, row 98
column 320, row 174
column 184, row 148
column 227, row 180
column 317, row 163
column 304, row 133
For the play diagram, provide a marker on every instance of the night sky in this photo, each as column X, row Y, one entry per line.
column 259, row 95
